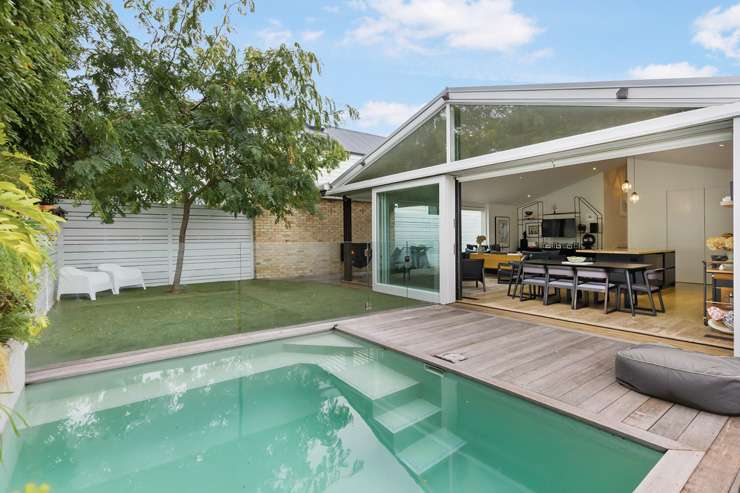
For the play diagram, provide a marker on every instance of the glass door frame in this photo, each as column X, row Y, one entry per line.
column 446, row 242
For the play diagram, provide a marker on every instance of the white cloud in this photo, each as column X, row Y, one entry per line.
column 332, row 9
column 384, row 114
column 357, row 4
column 671, row 70
column 537, row 55
column 720, row 30
column 311, row 35
column 466, row 24
column 275, row 34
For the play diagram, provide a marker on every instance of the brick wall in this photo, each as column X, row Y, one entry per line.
column 309, row 246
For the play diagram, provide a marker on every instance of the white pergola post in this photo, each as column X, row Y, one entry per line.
column 736, row 212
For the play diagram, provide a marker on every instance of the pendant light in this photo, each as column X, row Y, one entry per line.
column 626, row 186
column 635, row 197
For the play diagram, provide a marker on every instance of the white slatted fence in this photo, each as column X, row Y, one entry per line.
column 219, row 246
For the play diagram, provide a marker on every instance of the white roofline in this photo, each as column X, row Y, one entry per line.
column 699, row 118
column 604, row 84
column 684, row 92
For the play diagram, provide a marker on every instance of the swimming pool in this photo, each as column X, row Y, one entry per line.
column 324, row 412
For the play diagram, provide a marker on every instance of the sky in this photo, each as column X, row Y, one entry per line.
column 389, row 57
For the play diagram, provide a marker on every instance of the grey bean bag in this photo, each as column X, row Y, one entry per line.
column 701, row 381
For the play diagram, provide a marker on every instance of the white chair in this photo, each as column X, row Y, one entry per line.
column 122, row 277
column 75, row 281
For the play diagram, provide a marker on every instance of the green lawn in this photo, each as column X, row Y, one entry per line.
column 138, row 319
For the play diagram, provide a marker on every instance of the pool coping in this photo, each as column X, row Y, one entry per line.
column 671, row 473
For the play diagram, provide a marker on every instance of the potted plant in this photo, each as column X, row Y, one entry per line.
column 480, row 239
column 23, row 230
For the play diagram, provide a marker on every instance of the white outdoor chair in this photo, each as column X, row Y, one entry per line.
column 75, row 281
column 122, row 277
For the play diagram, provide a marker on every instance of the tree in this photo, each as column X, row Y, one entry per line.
column 40, row 42
column 195, row 120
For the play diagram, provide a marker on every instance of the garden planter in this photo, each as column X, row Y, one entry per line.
column 14, row 378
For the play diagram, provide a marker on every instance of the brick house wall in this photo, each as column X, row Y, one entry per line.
column 309, row 246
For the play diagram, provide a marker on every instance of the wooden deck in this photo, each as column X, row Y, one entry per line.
column 682, row 320
column 572, row 372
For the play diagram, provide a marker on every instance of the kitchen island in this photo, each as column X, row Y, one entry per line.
column 660, row 258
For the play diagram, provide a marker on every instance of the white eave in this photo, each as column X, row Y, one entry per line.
column 686, row 93
column 694, row 127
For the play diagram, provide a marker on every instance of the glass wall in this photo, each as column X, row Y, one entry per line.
column 408, row 238
column 482, row 129
column 239, row 275
column 425, row 146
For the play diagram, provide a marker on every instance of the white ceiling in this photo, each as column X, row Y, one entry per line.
column 514, row 189
column 709, row 155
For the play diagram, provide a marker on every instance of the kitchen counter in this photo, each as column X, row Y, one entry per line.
column 629, row 251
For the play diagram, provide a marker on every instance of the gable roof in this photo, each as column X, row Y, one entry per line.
column 353, row 141
column 357, row 144
column 695, row 92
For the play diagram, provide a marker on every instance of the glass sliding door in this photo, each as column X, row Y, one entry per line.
column 408, row 231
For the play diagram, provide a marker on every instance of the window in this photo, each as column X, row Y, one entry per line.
column 425, row 146
column 472, row 225
column 483, row 129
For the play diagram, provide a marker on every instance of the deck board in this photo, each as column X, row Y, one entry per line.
column 567, row 368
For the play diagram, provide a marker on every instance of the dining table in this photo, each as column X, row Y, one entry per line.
column 630, row 270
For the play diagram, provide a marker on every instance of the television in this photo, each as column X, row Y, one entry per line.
column 559, row 228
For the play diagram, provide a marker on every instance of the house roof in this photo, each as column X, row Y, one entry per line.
column 356, row 143
column 353, row 141
column 686, row 92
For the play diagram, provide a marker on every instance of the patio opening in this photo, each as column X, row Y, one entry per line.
column 663, row 218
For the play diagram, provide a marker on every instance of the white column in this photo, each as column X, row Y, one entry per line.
column 447, row 239
column 736, row 212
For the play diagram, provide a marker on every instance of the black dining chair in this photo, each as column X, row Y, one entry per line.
column 559, row 278
column 534, row 277
column 594, row 280
column 652, row 282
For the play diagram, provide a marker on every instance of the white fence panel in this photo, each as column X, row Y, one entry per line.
column 219, row 247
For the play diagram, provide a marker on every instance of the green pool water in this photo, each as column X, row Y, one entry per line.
column 317, row 413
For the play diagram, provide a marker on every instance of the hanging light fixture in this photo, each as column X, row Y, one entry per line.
column 635, row 197
column 626, row 186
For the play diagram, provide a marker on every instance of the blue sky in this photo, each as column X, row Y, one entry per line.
column 388, row 57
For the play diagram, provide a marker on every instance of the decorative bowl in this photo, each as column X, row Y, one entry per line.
column 528, row 213
column 729, row 320
column 576, row 260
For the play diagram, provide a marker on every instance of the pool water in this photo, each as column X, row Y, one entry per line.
column 317, row 413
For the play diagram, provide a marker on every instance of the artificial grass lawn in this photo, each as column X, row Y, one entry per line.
column 138, row 319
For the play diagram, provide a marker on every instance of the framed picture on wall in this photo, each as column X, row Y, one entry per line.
column 502, row 225
column 533, row 230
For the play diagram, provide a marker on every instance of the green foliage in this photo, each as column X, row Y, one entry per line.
column 40, row 43
column 196, row 120
column 34, row 488
column 23, row 227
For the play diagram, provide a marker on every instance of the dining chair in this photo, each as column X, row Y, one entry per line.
column 532, row 276
column 594, row 280
column 559, row 278
column 652, row 283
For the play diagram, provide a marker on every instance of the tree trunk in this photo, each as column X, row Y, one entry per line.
column 176, row 286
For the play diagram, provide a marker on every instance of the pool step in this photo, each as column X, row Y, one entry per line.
column 322, row 342
column 406, row 423
column 431, row 450
column 404, row 416
column 375, row 381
